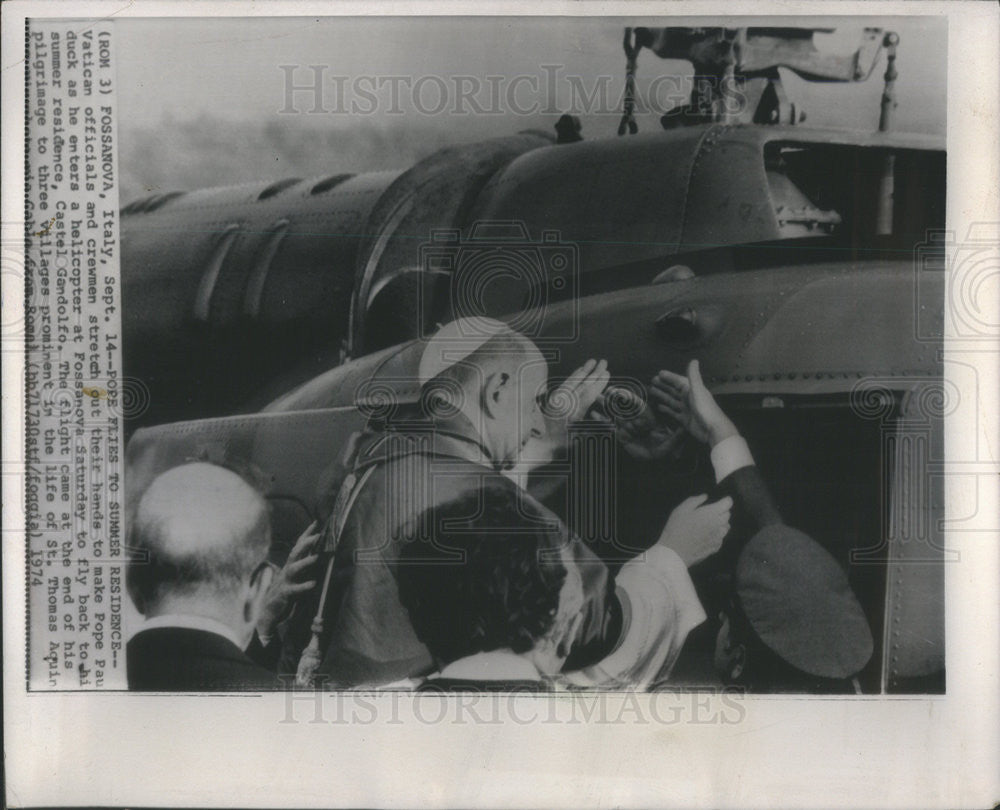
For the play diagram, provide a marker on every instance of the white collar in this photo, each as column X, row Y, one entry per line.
column 495, row 665
column 189, row 621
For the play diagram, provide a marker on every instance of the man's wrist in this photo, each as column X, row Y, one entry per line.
column 682, row 554
column 718, row 433
column 662, row 554
column 730, row 455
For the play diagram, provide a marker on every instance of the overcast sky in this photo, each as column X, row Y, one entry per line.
column 201, row 99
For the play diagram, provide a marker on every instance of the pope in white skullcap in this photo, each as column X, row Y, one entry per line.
column 455, row 341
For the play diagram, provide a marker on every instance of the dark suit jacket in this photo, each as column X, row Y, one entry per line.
column 179, row 659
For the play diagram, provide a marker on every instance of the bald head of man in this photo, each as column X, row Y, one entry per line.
column 202, row 535
column 500, row 386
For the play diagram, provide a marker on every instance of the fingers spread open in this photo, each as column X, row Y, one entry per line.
column 669, row 378
column 303, row 547
column 298, row 566
column 666, row 398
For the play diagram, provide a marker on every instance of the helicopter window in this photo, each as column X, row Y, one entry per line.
column 276, row 188
column 261, row 268
column 799, row 212
column 203, row 298
column 862, row 193
column 331, row 182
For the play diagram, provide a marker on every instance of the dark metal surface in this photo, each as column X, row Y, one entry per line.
column 235, row 293
column 222, row 290
column 756, row 333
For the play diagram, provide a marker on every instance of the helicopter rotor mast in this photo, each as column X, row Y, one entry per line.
column 736, row 71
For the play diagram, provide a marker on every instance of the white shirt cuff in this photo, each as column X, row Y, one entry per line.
column 730, row 455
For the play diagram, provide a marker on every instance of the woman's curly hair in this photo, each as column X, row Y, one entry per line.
column 483, row 575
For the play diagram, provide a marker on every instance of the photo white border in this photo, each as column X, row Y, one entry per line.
column 130, row 749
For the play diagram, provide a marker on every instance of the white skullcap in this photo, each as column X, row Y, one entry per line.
column 455, row 341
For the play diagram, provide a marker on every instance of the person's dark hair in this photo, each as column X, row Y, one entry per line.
column 478, row 580
column 766, row 671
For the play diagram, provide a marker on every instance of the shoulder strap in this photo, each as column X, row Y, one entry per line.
column 348, row 494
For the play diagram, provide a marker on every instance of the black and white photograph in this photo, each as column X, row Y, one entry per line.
column 628, row 367
column 640, row 317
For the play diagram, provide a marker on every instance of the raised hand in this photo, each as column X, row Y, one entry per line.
column 690, row 403
column 290, row 582
column 695, row 530
column 570, row 400
column 636, row 425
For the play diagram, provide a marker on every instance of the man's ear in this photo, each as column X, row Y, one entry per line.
column 737, row 662
column 495, row 392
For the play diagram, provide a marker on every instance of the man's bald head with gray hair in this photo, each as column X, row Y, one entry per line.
column 201, row 531
column 506, row 349
column 495, row 376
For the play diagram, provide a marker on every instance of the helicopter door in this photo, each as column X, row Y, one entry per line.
column 913, row 642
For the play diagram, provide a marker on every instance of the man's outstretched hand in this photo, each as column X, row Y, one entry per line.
column 290, row 582
column 690, row 403
column 637, row 427
column 640, row 426
column 696, row 529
